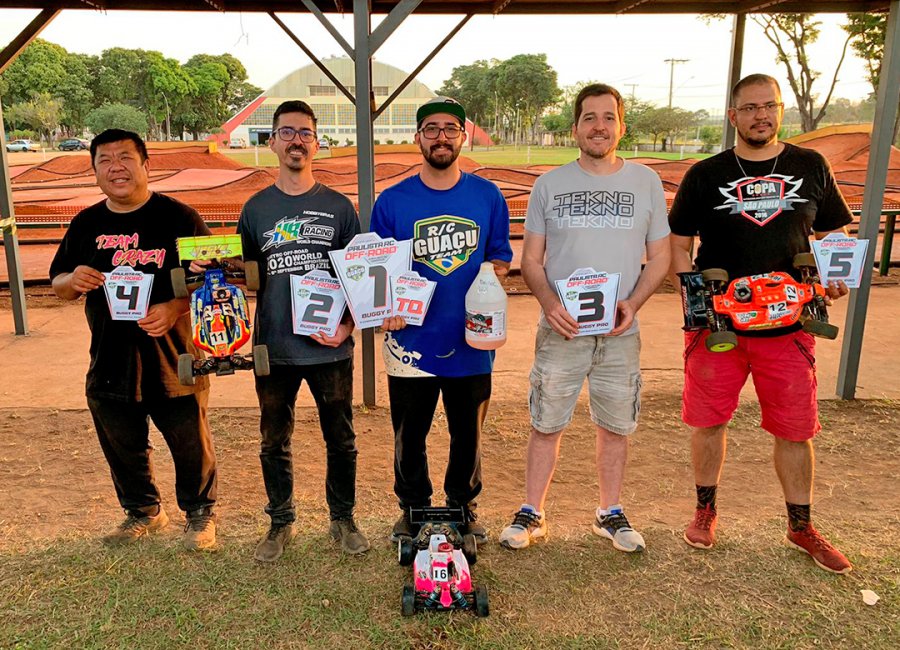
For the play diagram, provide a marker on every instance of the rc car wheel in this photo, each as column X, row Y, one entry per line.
column 721, row 341
column 260, row 360
column 406, row 551
column 470, row 548
column 482, row 608
column 804, row 259
column 251, row 275
column 179, row 286
column 820, row 328
column 714, row 275
column 408, row 601
column 186, row 369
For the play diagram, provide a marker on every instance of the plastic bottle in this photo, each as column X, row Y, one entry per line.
column 486, row 310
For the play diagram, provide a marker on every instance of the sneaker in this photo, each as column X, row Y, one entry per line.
column 403, row 528
column 272, row 546
column 526, row 527
column 615, row 526
column 136, row 526
column 702, row 531
column 351, row 538
column 823, row 554
column 200, row 529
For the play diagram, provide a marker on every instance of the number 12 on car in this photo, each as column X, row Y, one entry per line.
column 590, row 297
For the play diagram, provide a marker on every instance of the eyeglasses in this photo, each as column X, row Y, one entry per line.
column 288, row 133
column 753, row 109
column 432, row 132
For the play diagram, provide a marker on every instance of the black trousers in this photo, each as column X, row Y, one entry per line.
column 123, row 430
column 413, row 400
column 331, row 385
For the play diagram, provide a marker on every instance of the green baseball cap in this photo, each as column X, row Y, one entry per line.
column 441, row 105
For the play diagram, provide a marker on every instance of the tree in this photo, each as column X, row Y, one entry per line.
column 526, row 86
column 867, row 33
column 117, row 116
column 42, row 113
column 40, row 68
column 664, row 123
column 472, row 86
column 790, row 34
column 710, row 136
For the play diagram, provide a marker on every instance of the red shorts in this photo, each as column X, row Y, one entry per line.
column 784, row 375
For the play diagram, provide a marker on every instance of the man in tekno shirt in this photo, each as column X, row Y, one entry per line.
column 605, row 213
column 754, row 208
column 133, row 374
column 288, row 228
column 456, row 221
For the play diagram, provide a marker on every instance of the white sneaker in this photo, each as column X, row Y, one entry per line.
column 527, row 525
column 615, row 527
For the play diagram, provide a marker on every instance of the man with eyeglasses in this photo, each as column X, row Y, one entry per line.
column 289, row 228
column 754, row 207
column 456, row 221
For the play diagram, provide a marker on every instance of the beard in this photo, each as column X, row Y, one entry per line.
column 440, row 156
column 755, row 140
column 296, row 163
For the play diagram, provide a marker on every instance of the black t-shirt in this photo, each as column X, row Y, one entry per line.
column 127, row 363
column 754, row 216
column 291, row 235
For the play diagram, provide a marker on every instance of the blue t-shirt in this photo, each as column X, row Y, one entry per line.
column 453, row 232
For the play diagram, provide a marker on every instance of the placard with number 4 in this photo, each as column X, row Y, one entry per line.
column 590, row 297
column 839, row 257
column 317, row 303
column 127, row 293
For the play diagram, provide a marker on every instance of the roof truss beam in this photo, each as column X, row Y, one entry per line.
column 394, row 19
column 31, row 31
column 335, row 34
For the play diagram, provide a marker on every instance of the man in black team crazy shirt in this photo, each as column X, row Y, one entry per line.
column 754, row 208
column 133, row 373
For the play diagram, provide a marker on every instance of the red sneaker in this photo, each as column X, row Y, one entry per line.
column 823, row 554
column 702, row 531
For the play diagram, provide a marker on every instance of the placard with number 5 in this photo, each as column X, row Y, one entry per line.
column 590, row 297
column 839, row 257
column 365, row 268
column 317, row 303
column 127, row 293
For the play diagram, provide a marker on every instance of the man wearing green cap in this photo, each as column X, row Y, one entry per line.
column 456, row 221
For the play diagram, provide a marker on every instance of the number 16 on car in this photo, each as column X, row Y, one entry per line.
column 590, row 297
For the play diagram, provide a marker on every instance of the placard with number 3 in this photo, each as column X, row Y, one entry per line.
column 590, row 297
column 127, row 293
column 317, row 303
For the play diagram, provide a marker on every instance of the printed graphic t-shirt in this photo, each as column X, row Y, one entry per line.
column 453, row 232
column 755, row 222
column 288, row 235
column 127, row 363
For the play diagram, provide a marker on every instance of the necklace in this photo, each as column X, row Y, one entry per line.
column 746, row 175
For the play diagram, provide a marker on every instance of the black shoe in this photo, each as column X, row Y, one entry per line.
column 404, row 528
column 472, row 526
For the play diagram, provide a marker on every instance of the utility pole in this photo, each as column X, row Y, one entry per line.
column 672, row 63
column 632, row 86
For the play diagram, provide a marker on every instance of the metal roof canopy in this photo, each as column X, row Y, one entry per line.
column 367, row 42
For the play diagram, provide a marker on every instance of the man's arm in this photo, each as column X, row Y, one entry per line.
column 162, row 316
column 659, row 256
column 71, row 286
column 681, row 262
column 536, row 279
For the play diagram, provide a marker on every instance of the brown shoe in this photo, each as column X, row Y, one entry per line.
column 701, row 533
column 351, row 538
column 136, row 526
column 272, row 545
column 200, row 529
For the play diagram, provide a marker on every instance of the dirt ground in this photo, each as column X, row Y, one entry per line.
column 54, row 482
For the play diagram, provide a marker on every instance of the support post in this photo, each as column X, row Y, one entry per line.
column 10, row 241
column 734, row 74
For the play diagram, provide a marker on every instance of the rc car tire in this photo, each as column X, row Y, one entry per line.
column 804, row 259
column 470, row 548
column 721, row 341
column 408, row 601
column 482, row 606
column 179, row 286
column 261, row 361
column 820, row 329
column 406, row 551
column 186, row 369
column 251, row 275
column 714, row 275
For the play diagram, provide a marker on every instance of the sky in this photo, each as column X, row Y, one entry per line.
column 627, row 52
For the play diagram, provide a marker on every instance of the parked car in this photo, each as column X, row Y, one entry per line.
column 73, row 144
column 23, row 145
column 323, row 144
column 237, row 143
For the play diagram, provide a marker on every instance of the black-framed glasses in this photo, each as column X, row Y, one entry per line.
column 432, row 132
column 753, row 109
column 288, row 133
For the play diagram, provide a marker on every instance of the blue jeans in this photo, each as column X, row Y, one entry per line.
column 331, row 385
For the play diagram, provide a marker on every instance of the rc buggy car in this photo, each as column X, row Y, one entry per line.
column 219, row 316
column 756, row 302
column 442, row 558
